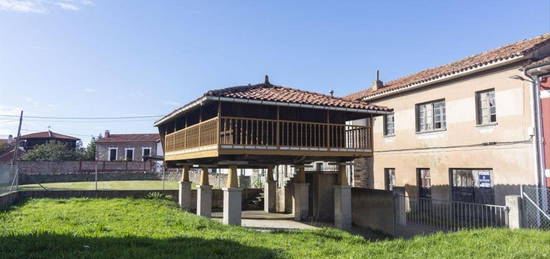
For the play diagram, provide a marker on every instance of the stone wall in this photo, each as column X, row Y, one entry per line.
column 102, row 150
column 363, row 176
column 7, row 199
column 373, row 209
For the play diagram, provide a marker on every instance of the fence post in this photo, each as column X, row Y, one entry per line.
column 399, row 207
column 513, row 204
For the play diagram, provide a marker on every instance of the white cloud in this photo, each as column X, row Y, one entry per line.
column 42, row 6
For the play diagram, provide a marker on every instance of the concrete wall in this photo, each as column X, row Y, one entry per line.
column 460, row 145
column 7, row 199
column 373, row 209
column 323, row 196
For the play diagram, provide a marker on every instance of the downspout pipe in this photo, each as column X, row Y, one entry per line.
column 534, row 73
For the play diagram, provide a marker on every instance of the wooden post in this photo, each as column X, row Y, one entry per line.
column 218, row 132
column 269, row 176
column 204, row 176
column 278, row 127
column 300, row 174
column 232, row 181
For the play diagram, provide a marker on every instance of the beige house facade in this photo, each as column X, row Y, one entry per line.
column 464, row 131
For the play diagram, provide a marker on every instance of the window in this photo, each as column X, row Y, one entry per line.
column 389, row 177
column 431, row 116
column 146, row 151
column 113, row 154
column 389, row 125
column 472, row 185
column 486, row 108
column 424, row 182
column 129, row 154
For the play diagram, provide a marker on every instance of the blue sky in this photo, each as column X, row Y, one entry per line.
column 102, row 58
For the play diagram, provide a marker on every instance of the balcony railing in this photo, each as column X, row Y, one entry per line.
column 236, row 132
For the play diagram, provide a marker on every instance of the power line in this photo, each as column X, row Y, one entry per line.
column 84, row 118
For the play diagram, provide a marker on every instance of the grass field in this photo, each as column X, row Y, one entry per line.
column 105, row 185
column 155, row 228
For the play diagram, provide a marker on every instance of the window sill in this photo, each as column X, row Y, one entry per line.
column 430, row 131
column 389, row 136
column 487, row 124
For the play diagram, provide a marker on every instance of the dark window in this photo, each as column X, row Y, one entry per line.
column 389, row 125
column 112, row 154
column 424, row 182
column 129, row 154
column 472, row 185
column 431, row 116
column 486, row 109
column 389, row 177
column 146, row 152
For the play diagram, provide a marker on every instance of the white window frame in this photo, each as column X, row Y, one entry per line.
column 109, row 153
column 133, row 154
column 484, row 110
column 428, row 114
column 143, row 151
column 387, row 122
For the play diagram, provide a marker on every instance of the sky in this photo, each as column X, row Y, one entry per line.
column 116, row 58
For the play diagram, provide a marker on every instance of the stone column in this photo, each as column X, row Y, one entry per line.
column 185, row 189
column 269, row 191
column 204, row 196
column 342, row 200
column 232, row 198
column 300, row 199
column 513, row 202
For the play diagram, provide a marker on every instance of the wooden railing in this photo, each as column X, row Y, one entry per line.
column 262, row 132
column 236, row 131
column 198, row 135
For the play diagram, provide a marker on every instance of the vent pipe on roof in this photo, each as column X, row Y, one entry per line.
column 331, row 93
column 377, row 84
column 107, row 134
column 266, row 80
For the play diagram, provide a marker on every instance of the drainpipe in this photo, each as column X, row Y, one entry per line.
column 534, row 74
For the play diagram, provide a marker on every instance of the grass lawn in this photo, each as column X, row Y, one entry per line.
column 105, row 185
column 155, row 228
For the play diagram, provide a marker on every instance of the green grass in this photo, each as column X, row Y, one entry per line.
column 141, row 228
column 104, row 185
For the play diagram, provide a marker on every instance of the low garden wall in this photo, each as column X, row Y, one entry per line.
column 373, row 209
column 7, row 199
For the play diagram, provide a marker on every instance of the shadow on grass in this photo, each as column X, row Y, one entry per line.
column 68, row 246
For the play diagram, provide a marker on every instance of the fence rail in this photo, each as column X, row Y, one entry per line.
column 453, row 215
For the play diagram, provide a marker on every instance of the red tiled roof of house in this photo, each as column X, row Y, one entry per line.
column 513, row 50
column 121, row 138
column 275, row 93
column 3, row 141
column 48, row 134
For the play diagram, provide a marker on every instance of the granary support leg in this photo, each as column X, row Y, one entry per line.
column 269, row 191
column 342, row 200
column 232, row 198
column 300, row 201
column 185, row 189
column 204, row 195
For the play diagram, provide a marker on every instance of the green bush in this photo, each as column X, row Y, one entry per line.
column 52, row 152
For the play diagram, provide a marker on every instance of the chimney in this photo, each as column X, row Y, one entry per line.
column 377, row 84
column 107, row 134
column 10, row 139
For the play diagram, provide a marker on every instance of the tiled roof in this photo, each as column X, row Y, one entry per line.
column 517, row 49
column 275, row 93
column 3, row 141
column 121, row 138
column 544, row 61
column 48, row 134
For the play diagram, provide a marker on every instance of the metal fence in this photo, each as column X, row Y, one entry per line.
column 8, row 178
column 535, row 207
column 441, row 215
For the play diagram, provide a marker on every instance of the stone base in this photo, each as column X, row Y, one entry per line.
column 185, row 195
column 232, row 202
column 342, row 206
column 269, row 196
column 204, row 201
column 300, row 201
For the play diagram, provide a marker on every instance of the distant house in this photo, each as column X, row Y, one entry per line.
column 128, row 147
column 7, row 155
column 29, row 141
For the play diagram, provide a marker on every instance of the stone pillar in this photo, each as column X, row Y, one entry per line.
column 204, row 196
column 513, row 202
column 300, row 200
column 269, row 191
column 342, row 200
column 232, row 199
column 185, row 189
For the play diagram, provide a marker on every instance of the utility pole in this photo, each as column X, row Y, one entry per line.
column 17, row 139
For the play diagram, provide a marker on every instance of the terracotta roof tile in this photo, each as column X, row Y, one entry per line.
column 48, row 134
column 121, row 138
column 513, row 50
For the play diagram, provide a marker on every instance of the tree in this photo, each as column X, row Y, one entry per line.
column 89, row 152
column 52, row 152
